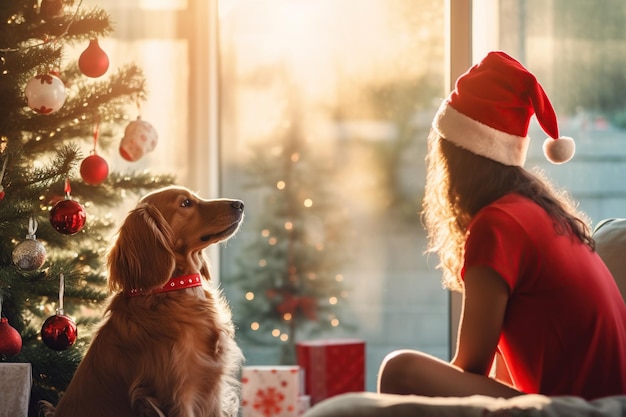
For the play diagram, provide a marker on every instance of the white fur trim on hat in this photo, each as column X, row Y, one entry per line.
column 479, row 138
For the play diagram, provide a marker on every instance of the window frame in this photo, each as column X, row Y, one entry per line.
column 458, row 44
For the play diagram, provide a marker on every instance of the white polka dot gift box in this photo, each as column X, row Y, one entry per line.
column 271, row 391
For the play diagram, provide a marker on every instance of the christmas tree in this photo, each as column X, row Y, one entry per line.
column 56, row 193
column 290, row 273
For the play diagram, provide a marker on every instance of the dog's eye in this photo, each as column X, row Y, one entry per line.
column 186, row 203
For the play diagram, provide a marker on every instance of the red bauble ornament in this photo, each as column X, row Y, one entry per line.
column 59, row 332
column 45, row 93
column 10, row 339
column 68, row 217
column 94, row 169
column 93, row 62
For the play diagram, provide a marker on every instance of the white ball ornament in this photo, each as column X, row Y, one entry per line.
column 140, row 138
column 45, row 93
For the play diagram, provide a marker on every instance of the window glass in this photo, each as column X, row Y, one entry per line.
column 325, row 109
column 577, row 51
column 151, row 37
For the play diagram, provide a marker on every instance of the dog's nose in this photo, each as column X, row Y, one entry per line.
column 237, row 204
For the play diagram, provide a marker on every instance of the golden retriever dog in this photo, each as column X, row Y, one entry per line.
column 166, row 344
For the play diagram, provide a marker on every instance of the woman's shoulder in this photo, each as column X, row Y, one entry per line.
column 513, row 212
column 513, row 204
column 513, row 199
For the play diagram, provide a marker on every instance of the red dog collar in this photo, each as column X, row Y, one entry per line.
column 175, row 283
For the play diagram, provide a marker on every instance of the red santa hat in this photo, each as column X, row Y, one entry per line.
column 489, row 111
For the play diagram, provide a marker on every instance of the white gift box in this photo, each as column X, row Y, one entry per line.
column 271, row 391
column 15, row 385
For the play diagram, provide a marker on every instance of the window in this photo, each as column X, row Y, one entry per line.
column 169, row 40
column 325, row 111
column 576, row 51
column 147, row 34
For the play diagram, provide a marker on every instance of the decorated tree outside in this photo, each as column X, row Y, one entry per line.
column 57, row 197
column 290, row 273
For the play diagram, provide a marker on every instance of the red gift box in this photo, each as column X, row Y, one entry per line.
column 332, row 367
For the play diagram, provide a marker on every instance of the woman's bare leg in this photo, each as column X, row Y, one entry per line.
column 412, row 372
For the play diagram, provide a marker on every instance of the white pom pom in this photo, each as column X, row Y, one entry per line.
column 559, row 151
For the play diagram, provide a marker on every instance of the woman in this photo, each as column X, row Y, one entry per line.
column 535, row 293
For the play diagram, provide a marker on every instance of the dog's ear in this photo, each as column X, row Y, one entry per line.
column 142, row 257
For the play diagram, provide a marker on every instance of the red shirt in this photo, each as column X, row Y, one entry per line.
column 564, row 330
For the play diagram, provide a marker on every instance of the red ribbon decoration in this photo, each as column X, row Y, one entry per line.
column 292, row 303
column 67, row 188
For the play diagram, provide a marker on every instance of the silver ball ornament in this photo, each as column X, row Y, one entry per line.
column 29, row 255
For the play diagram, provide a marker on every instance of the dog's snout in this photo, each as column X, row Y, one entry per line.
column 237, row 204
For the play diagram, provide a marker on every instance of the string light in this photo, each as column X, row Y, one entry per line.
column 308, row 202
column 332, row 300
column 255, row 326
column 288, row 225
column 249, row 296
column 281, row 185
column 287, row 316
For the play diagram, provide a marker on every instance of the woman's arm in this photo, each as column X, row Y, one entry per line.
column 484, row 305
column 412, row 372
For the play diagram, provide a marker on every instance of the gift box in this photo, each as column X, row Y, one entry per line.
column 15, row 385
column 271, row 391
column 332, row 366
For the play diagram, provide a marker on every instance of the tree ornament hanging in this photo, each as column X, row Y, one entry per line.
column 45, row 93
column 67, row 216
column 10, row 339
column 4, row 167
column 94, row 169
column 30, row 254
column 93, row 62
column 51, row 9
column 140, row 138
column 59, row 332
